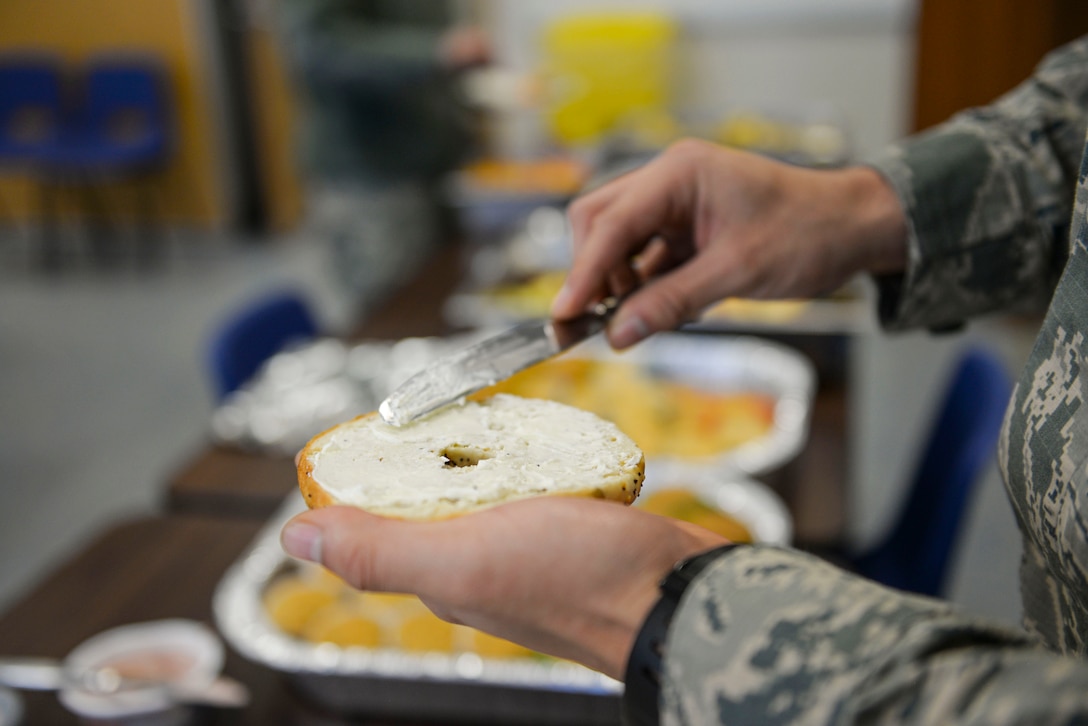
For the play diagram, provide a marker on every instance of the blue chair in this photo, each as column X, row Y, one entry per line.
column 253, row 334
column 121, row 125
column 119, row 130
column 33, row 115
column 916, row 553
column 31, row 106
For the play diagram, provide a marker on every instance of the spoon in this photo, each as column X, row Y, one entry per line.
column 46, row 674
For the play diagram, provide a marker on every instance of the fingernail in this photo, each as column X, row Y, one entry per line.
column 562, row 300
column 302, row 540
column 627, row 331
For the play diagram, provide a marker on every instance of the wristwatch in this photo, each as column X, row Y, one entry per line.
column 642, row 682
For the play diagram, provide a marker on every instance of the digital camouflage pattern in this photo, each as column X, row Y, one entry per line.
column 773, row 636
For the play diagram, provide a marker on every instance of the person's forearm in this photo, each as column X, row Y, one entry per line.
column 988, row 196
column 774, row 636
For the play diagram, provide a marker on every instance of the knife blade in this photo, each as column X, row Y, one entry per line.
column 490, row 361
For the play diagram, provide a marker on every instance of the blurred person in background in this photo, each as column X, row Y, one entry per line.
column 383, row 124
column 987, row 212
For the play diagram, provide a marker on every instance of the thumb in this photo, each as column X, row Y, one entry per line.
column 663, row 303
column 367, row 551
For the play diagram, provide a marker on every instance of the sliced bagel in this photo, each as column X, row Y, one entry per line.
column 467, row 457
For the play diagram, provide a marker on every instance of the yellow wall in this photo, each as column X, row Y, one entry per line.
column 273, row 95
column 190, row 190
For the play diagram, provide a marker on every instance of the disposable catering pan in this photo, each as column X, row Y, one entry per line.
column 391, row 683
column 726, row 364
column 467, row 688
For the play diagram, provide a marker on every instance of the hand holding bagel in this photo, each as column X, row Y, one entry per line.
column 570, row 577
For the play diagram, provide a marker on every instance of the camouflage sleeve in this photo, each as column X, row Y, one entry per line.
column 774, row 636
column 988, row 196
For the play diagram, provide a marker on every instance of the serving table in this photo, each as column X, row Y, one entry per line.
column 168, row 566
column 138, row 570
column 224, row 481
column 149, row 569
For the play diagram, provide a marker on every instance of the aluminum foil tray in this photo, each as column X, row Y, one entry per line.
column 306, row 389
column 725, row 364
column 301, row 392
column 392, row 683
column 395, row 683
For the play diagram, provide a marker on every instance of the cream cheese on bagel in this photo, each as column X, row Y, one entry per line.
column 470, row 456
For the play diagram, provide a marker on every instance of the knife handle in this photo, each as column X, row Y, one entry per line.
column 606, row 307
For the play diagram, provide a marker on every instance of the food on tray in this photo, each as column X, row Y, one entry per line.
column 682, row 503
column 346, row 617
column 665, row 417
column 342, row 623
column 812, row 142
column 291, row 602
column 490, row 646
column 758, row 311
column 468, row 457
column 425, row 631
column 551, row 175
column 530, row 298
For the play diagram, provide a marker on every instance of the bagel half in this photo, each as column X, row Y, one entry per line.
column 468, row 457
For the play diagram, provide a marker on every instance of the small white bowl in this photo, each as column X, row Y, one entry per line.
column 182, row 652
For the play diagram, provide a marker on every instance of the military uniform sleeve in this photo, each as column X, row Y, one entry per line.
column 773, row 636
column 988, row 197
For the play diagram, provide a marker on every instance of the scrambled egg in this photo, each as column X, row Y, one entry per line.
column 665, row 418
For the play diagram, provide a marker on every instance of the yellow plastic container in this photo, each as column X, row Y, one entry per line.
column 605, row 71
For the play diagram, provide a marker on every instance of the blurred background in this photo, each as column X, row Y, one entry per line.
column 164, row 161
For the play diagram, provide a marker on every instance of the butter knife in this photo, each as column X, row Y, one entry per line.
column 490, row 361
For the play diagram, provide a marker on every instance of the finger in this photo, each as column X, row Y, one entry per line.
column 582, row 210
column 562, row 301
column 622, row 280
column 614, row 238
column 654, row 260
column 573, row 299
column 591, row 202
column 665, row 303
column 611, row 228
column 370, row 552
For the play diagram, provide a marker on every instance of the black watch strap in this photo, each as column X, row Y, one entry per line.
column 642, row 682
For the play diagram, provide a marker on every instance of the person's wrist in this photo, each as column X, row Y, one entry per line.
column 644, row 668
column 612, row 626
column 879, row 224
